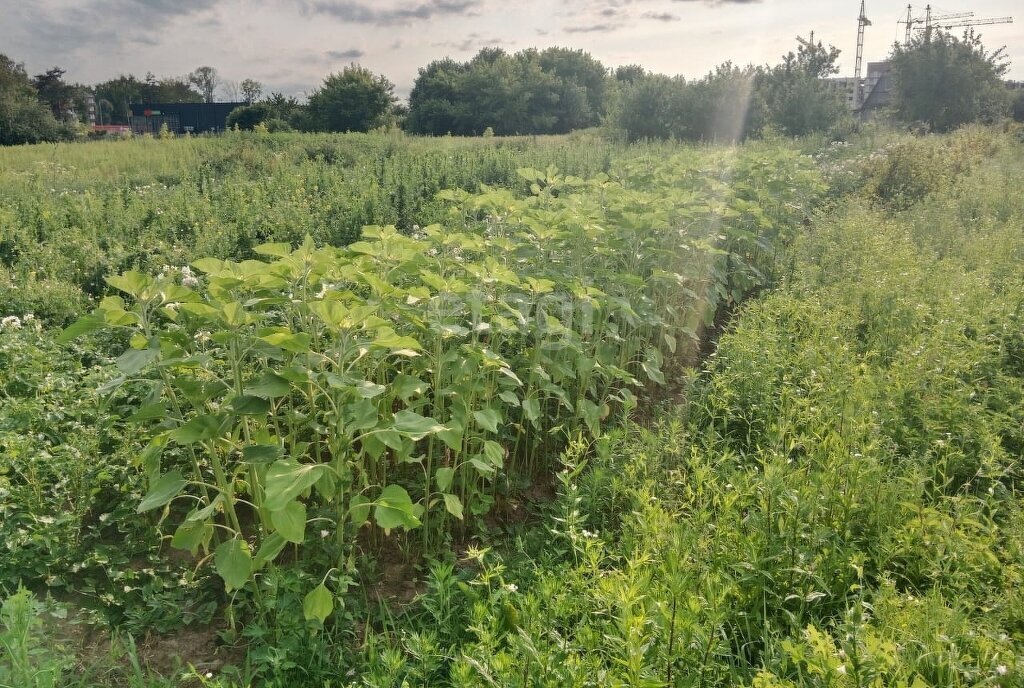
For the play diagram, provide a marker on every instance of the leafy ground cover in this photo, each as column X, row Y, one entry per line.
column 430, row 457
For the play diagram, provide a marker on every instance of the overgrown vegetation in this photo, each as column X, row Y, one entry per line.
column 433, row 453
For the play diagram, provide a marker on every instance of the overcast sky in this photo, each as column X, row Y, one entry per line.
column 290, row 45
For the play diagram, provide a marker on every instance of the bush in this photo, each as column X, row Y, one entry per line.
column 1017, row 109
column 247, row 117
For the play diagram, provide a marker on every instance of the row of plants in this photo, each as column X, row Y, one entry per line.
column 838, row 503
column 71, row 215
column 408, row 381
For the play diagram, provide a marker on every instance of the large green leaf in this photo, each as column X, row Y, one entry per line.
column 191, row 534
column 84, row 325
column 271, row 547
column 416, row 426
column 204, row 427
column 359, row 509
column 487, row 419
column 531, row 409
column 166, row 488
column 318, row 604
column 269, row 386
column 233, row 563
column 250, row 405
column 286, row 479
column 290, row 521
column 131, row 282
column 134, row 360
column 296, row 342
column 444, row 477
column 262, row 453
column 454, row 505
column 394, row 509
column 495, row 453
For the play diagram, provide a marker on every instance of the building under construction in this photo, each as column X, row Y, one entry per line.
column 866, row 96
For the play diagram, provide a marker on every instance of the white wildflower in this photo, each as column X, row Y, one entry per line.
column 11, row 322
column 28, row 317
column 841, row 670
column 190, row 281
column 1001, row 670
column 324, row 533
column 511, row 587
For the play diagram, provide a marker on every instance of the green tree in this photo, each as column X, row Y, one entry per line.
column 583, row 90
column 946, row 82
column 205, row 79
column 120, row 92
column 797, row 100
column 172, row 90
column 655, row 106
column 629, row 74
column 23, row 118
column 433, row 102
column 531, row 92
column 354, row 99
column 54, row 91
column 251, row 90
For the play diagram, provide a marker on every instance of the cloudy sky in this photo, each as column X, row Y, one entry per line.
column 290, row 45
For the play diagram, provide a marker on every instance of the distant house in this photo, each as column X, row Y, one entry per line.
column 180, row 118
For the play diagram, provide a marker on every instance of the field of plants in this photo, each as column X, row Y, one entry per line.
column 369, row 410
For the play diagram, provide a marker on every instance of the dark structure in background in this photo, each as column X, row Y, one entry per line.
column 180, row 118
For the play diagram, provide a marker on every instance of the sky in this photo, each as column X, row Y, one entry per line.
column 291, row 45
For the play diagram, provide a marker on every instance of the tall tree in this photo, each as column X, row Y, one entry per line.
column 23, row 118
column 251, row 90
column 176, row 90
column 945, row 82
column 54, row 91
column 120, row 92
column 354, row 99
column 205, row 79
column 529, row 92
column 797, row 99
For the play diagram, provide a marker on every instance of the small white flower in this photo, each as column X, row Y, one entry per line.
column 209, row 674
column 28, row 317
column 841, row 670
column 173, row 306
column 511, row 587
column 324, row 533
column 12, row 322
column 190, row 281
column 1001, row 670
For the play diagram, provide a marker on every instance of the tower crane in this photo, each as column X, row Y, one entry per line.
column 862, row 23
column 952, row 20
column 976, row 22
column 927, row 20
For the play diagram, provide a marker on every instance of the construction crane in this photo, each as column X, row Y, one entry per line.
column 862, row 23
column 976, row 22
column 927, row 20
column 945, row 21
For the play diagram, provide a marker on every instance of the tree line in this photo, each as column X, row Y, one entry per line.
column 939, row 81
